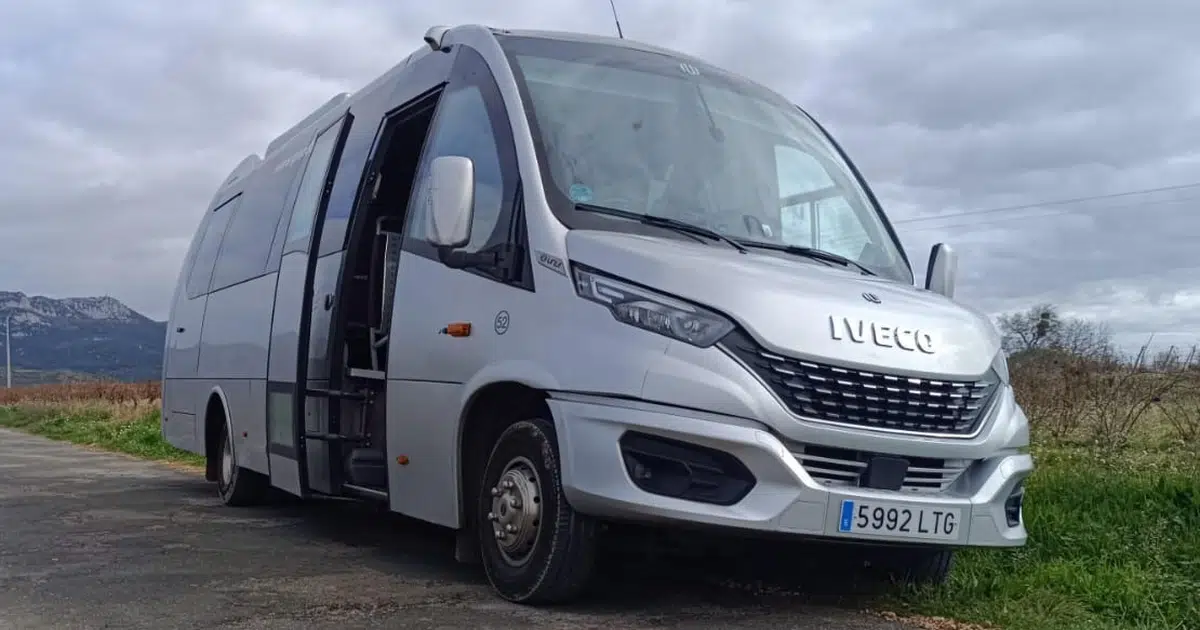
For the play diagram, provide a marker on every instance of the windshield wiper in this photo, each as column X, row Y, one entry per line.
column 811, row 252
column 666, row 222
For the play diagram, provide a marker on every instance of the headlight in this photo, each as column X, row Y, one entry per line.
column 650, row 310
column 1000, row 365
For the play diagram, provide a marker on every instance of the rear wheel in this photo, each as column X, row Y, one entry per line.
column 237, row 486
column 535, row 548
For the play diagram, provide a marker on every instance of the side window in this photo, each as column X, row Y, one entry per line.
column 247, row 244
column 312, row 187
column 464, row 127
column 210, row 243
column 813, row 212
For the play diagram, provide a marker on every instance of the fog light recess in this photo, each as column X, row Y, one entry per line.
column 1012, row 506
column 677, row 469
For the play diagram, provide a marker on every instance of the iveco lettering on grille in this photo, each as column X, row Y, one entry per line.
column 644, row 363
column 860, row 331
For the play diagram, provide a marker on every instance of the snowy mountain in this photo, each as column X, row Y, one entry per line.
column 97, row 336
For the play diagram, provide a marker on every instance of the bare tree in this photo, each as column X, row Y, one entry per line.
column 1085, row 338
column 1041, row 327
column 1030, row 329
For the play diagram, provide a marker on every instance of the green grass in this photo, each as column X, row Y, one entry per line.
column 140, row 436
column 1114, row 537
column 1114, row 543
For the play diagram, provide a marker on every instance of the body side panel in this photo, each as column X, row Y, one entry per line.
column 243, row 404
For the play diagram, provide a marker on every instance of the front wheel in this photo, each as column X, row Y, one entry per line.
column 536, row 549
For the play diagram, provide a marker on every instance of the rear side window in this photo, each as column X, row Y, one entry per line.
column 200, row 276
column 247, row 243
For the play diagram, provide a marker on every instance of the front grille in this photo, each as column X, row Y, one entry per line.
column 867, row 399
column 845, row 467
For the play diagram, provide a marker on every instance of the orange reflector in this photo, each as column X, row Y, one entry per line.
column 402, row 460
column 458, row 329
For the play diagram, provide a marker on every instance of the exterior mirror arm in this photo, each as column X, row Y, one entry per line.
column 501, row 259
column 457, row 259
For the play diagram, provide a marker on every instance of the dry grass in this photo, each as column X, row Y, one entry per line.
column 1072, row 399
column 121, row 401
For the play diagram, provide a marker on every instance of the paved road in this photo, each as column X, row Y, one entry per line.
column 95, row 540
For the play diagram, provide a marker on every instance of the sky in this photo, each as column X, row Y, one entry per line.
column 120, row 117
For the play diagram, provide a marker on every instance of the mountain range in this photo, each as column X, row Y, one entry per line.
column 79, row 338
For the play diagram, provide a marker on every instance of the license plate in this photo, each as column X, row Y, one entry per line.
column 880, row 518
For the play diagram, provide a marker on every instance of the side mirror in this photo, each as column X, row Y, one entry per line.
column 451, row 201
column 942, row 272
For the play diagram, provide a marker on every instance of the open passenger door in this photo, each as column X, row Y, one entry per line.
column 299, row 464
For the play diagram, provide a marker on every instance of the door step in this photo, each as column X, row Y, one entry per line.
column 374, row 375
column 334, row 437
column 366, row 467
column 363, row 492
column 334, row 393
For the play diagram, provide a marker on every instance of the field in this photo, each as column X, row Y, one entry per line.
column 121, row 417
column 1113, row 508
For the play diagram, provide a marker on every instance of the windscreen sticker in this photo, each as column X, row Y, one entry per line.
column 581, row 193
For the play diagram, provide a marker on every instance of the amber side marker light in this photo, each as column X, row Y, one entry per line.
column 457, row 329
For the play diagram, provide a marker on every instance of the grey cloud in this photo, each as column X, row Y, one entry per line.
column 1050, row 255
column 988, row 95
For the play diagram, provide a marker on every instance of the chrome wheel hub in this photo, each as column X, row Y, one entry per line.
column 516, row 511
column 227, row 461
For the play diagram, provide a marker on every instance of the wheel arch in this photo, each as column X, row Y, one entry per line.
column 216, row 418
column 494, row 399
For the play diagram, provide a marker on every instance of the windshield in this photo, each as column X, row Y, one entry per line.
column 649, row 133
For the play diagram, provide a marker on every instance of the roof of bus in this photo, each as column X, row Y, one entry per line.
column 589, row 38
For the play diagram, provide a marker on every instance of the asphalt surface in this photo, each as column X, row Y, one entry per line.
column 97, row 540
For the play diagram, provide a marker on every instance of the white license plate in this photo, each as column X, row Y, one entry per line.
column 880, row 518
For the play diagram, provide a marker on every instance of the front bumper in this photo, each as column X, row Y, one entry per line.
column 785, row 496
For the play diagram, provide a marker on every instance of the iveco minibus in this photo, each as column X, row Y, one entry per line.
column 526, row 283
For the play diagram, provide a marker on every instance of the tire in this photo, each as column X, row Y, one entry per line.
column 922, row 567
column 238, row 487
column 543, row 555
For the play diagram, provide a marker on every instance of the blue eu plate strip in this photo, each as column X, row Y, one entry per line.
column 847, row 516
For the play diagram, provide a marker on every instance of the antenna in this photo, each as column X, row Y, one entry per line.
column 616, row 19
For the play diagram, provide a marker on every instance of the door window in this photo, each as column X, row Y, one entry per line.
column 464, row 128
column 471, row 121
column 312, row 187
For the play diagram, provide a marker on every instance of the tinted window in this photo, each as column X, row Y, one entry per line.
column 464, row 127
column 206, row 253
column 312, row 184
column 250, row 235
